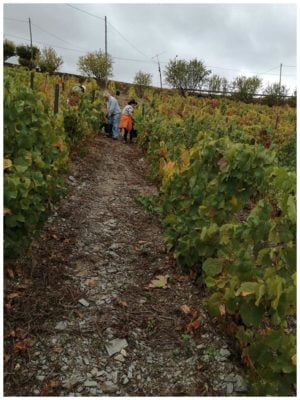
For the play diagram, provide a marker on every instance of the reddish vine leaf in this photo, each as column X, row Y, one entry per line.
column 25, row 284
column 192, row 326
column 122, row 303
column 6, row 358
column 189, row 311
column 8, row 307
column 48, row 387
column 10, row 273
column 194, row 313
column 222, row 163
column 13, row 296
column 193, row 275
column 18, row 333
column 247, row 360
column 180, row 278
column 58, row 350
column 23, row 345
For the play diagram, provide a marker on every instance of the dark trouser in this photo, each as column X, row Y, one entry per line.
column 125, row 135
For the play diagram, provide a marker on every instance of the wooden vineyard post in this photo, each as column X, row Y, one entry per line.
column 93, row 95
column 56, row 98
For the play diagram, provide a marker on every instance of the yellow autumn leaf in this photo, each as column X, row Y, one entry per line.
column 247, row 288
column 162, row 151
column 185, row 159
column 222, row 309
column 160, row 281
column 233, row 201
column 7, row 163
column 7, row 211
column 59, row 145
column 169, row 169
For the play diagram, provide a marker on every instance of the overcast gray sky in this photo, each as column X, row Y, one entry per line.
column 231, row 39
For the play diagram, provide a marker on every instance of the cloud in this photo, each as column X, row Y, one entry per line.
column 236, row 37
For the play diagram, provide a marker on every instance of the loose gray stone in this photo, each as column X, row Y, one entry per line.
column 115, row 346
column 240, row 384
column 93, row 391
column 113, row 254
column 125, row 380
column 61, row 326
column 230, row 378
column 123, row 352
column 68, row 384
column 83, row 302
column 114, row 376
column 90, row 384
column 111, row 222
column 224, row 353
column 109, row 387
column 40, row 377
column 94, row 372
column 229, row 388
column 100, row 373
column 114, row 246
column 119, row 357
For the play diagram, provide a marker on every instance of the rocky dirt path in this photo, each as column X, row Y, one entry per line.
column 81, row 319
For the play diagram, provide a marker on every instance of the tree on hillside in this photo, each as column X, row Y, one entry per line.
column 96, row 65
column 245, row 88
column 275, row 94
column 215, row 83
column 186, row 75
column 49, row 61
column 9, row 49
column 27, row 57
column 142, row 80
column 224, row 85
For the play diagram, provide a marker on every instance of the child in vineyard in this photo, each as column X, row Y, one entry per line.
column 81, row 87
column 76, row 90
column 127, row 120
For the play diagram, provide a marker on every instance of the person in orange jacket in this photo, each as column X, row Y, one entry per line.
column 126, row 121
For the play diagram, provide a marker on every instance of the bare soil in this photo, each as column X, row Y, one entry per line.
column 84, row 284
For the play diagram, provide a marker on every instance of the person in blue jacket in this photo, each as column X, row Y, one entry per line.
column 113, row 113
